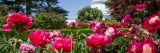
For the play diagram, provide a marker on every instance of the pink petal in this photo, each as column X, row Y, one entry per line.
column 6, row 27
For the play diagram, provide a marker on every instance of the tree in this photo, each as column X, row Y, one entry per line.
column 88, row 14
column 30, row 6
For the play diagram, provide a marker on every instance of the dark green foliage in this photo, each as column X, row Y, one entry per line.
column 111, row 22
column 79, row 35
column 9, row 39
column 31, row 6
column 88, row 14
column 119, row 45
column 49, row 21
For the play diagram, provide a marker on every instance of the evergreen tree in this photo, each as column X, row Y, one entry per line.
column 30, row 6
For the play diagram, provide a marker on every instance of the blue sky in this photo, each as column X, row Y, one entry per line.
column 73, row 6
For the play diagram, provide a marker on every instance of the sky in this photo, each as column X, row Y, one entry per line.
column 73, row 6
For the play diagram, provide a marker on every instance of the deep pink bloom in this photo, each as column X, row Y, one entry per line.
column 97, row 27
column 57, row 35
column 19, row 19
column 135, row 47
column 152, row 23
column 27, row 47
column 72, row 24
column 92, row 24
column 29, row 23
column 79, row 24
column 146, row 45
column 98, row 40
column 158, row 12
column 6, row 27
column 141, row 6
column 124, row 23
column 64, row 44
column 126, row 19
column 39, row 37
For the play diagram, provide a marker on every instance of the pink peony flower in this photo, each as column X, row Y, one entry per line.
column 57, row 36
column 29, row 23
column 64, row 44
column 141, row 6
column 152, row 23
column 146, row 45
column 124, row 23
column 39, row 38
column 110, row 31
column 98, row 40
column 97, row 27
column 27, row 48
column 79, row 24
column 19, row 20
column 126, row 19
column 71, row 24
column 92, row 24
column 6, row 27
column 158, row 12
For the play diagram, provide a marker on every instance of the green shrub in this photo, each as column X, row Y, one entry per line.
column 88, row 13
column 2, row 20
column 111, row 22
column 49, row 21
column 118, row 45
column 77, row 33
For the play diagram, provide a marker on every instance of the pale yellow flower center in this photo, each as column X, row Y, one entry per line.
column 109, row 31
column 152, row 20
column 133, row 49
column 147, row 48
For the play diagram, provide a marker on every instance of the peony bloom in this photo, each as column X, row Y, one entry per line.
column 19, row 20
column 141, row 6
column 92, row 24
column 71, row 24
column 126, row 19
column 64, row 44
column 152, row 23
column 124, row 23
column 98, row 40
column 79, row 24
column 57, row 35
column 110, row 31
column 39, row 38
column 6, row 27
column 146, row 45
column 149, row 46
column 27, row 48
column 98, row 27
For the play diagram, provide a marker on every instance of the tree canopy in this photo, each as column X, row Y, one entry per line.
column 88, row 14
column 30, row 6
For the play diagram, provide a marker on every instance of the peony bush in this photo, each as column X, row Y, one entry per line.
column 97, row 37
